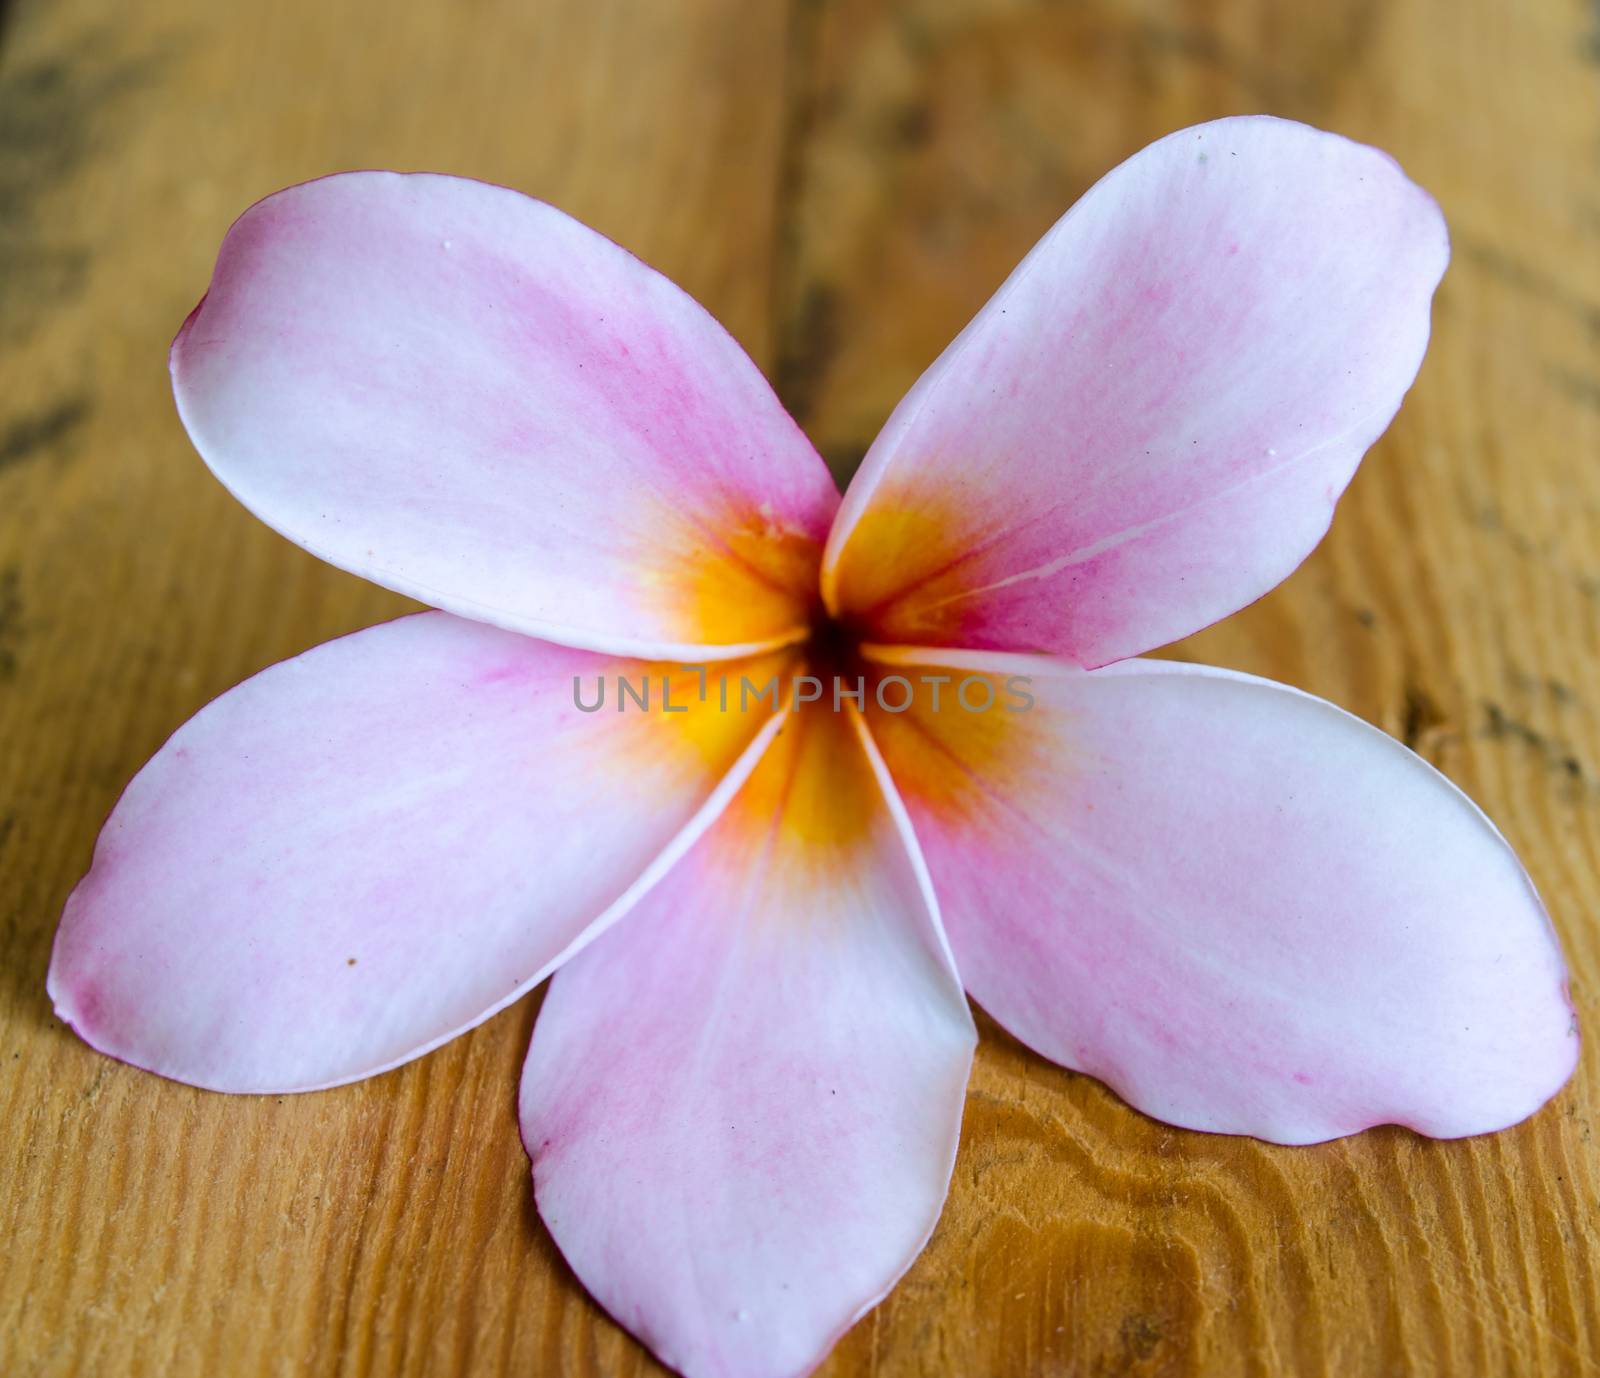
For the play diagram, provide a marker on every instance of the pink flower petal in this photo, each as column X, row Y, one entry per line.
column 463, row 394
column 1150, row 423
column 1244, row 909
column 742, row 1106
column 358, row 853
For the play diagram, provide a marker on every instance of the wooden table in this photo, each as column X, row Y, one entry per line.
column 843, row 184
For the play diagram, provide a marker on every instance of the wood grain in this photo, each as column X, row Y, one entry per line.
column 843, row 184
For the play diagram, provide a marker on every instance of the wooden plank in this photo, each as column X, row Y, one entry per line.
column 155, row 1230
column 1455, row 603
column 843, row 186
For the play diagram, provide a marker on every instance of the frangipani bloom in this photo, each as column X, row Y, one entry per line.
column 1240, row 907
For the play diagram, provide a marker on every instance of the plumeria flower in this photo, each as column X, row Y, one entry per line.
column 1240, row 907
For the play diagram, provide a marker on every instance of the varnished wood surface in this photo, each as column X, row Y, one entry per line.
column 843, row 184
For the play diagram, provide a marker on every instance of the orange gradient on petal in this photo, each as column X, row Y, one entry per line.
column 814, row 789
column 810, row 822
column 946, row 758
column 750, row 579
column 669, row 711
column 901, row 561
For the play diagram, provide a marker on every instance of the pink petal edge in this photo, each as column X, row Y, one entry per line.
column 816, row 1214
column 419, row 796
column 1149, row 424
column 465, row 395
column 1244, row 909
